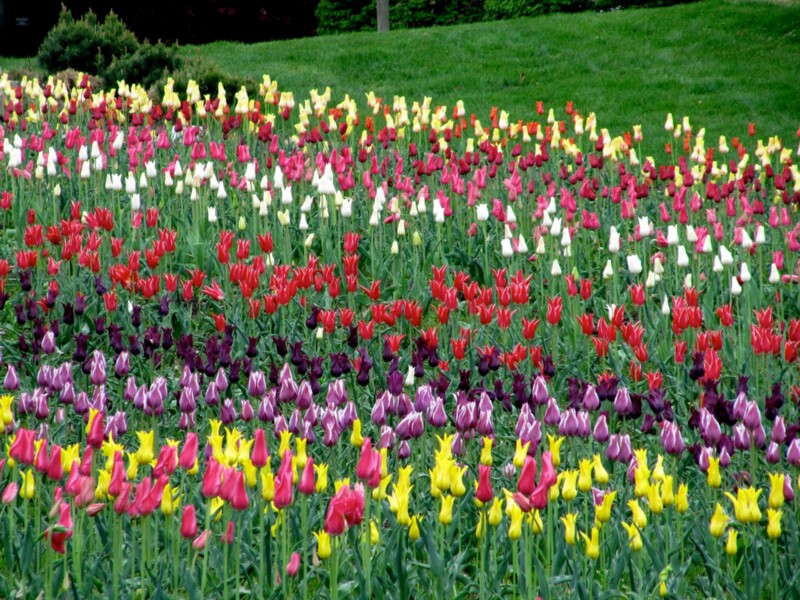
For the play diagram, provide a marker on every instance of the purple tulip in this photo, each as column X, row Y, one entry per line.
column 348, row 414
column 752, row 416
column 793, row 452
column 423, row 398
column 622, row 402
column 457, row 446
column 485, row 425
column 305, row 395
column 11, row 381
column 295, row 424
column 552, row 415
column 287, row 391
column 773, row 454
column 724, row 458
column 779, row 430
column 81, row 403
column 221, row 381
column 788, row 490
column 337, row 393
column 759, row 436
column 625, row 451
column 186, row 400
column 98, row 370
column 256, row 384
column 539, row 393
column 247, row 411
column 130, row 389
column 740, row 406
column 584, row 424
column 600, row 431
column 403, row 450
column 49, row 343
column 702, row 460
column 212, row 394
column 67, row 395
column 140, row 399
column 741, row 437
column 267, row 409
column 437, row 417
column 388, row 437
column 591, row 401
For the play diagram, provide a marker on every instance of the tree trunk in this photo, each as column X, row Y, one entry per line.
column 383, row 15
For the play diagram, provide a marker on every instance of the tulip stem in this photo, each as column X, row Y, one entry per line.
column 117, row 556
column 365, row 547
column 333, row 574
column 205, row 551
column 775, row 568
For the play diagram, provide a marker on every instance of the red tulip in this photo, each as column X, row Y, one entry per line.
column 284, row 488
column 527, row 477
column 189, row 522
column 294, row 564
column 189, row 452
column 22, row 449
column 211, row 479
column 554, row 306
column 240, row 501
column 306, row 485
column 63, row 530
column 586, row 321
column 259, row 455
column 484, row 492
column 346, row 509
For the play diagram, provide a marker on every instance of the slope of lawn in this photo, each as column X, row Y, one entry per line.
column 724, row 63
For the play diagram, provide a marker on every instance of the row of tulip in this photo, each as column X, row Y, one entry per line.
column 399, row 317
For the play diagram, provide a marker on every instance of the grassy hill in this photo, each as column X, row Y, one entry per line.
column 724, row 63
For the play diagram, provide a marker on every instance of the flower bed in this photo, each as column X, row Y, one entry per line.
column 308, row 348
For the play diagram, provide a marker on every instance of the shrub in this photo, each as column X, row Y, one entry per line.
column 85, row 44
column 146, row 66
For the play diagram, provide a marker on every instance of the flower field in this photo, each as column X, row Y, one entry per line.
column 319, row 347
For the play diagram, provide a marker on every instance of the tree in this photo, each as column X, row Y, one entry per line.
column 383, row 15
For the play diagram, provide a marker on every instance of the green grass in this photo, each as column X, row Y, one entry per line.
column 724, row 63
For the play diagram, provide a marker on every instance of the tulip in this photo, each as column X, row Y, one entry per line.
column 634, row 536
column 592, row 543
column 637, row 514
column 294, row 564
column 484, row 490
column 774, row 523
column 446, row 509
column 569, row 527
column 719, row 520
column 585, row 476
column 776, row 495
column 323, row 544
column 189, row 522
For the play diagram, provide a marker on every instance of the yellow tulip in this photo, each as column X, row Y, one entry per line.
column 356, row 439
column 654, row 498
column 637, row 514
column 267, row 484
column 323, row 544
column 713, row 477
column 286, row 440
column 569, row 527
column 250, row 473
column 731, row 547
column 446, row 511
column 719, row 520
column 774, row 523
column 641, row 460
column 585, row 475
column 374, row 533
column 634, row 536
column 535, row 521
column 133, row 466
column 592, row 543
column 28, row 487
column 515, row 526
column 520, row 452
column 496, row 512
column 103, row 481
column 641, row 477
column 435, row 491
column 602, row 513
column 682, row 498
column 552, row 495
column 486, row 453
column 440, row 475
column 6, row 415
column 776, row 498
column 321, row 471
column 301, row 456
column 554, row 445
column 413, row 529
column 145, row 455
column 481, row 527
column 600, row 473
column 379, row 493
column 457, row 487
column 667, row 495
column 569, row 488
column 168, row 503
column 217, row 504
column 658, row 469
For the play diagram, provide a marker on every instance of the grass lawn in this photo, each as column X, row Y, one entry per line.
column 724, row 63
